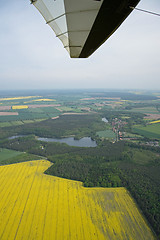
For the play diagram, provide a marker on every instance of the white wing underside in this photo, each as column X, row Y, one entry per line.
column 71, row 20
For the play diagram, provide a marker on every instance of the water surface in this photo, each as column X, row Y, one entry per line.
column 83, row 142
column 105, row 120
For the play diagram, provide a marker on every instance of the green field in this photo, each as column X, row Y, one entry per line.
column 66, row 109
column 28, row 121
column 132, row 135
column 149, row 110
column 5, row 124
column 150, row 131
column 106, row 134
column 16, row 123
column 40, row 120
column 6, row 154
column 35, row 110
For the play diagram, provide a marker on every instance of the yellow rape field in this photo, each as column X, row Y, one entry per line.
column 157, row 121
column 16, row 98
column 41, row 207
column 19, row 107
column 43, row 100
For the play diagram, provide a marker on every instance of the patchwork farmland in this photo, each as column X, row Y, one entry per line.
column 37, row 206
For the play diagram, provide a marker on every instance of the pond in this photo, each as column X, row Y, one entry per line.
column 83, row 142
column 105, row 120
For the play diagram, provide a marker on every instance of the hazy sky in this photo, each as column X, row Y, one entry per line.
column 31, row 57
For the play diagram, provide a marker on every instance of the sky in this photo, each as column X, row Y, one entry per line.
column 31, row 57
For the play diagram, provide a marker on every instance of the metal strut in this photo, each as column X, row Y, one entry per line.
column 146, row 11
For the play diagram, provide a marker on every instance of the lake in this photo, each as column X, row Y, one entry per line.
column 83, row 142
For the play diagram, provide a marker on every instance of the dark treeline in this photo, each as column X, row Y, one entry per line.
column 23, row 157
column 142, row 105
column 143, row 184
column 143, row 146
column 124, row 95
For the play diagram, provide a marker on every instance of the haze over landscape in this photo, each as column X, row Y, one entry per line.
column 33, row 58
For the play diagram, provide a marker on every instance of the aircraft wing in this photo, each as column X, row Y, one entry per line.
column 84, row 25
